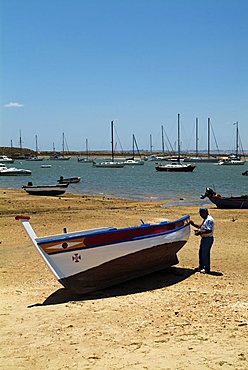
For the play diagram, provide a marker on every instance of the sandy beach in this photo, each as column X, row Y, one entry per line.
column 173, row 319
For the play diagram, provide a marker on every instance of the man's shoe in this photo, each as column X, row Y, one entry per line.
column 203, row 271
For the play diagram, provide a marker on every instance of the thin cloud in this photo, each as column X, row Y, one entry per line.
column 13, row 105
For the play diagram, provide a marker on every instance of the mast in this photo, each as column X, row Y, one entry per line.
column 196, row 137
column 86, row 147
column 136, row 144
column 162, row 129
column 112, row 140
column 237, row 138
column 63, row 143
column 20, row 140
column 208, row 137
column 151, row 143
column 36, row 144
column 178, row 136
column 133, row 145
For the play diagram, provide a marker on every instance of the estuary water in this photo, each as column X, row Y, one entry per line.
column 135, row 182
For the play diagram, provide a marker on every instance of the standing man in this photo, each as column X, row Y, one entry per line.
column 205, row 231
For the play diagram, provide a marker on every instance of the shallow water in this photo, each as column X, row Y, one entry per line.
column 135, row 182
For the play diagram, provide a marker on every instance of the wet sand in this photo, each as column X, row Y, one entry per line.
column 173, row 319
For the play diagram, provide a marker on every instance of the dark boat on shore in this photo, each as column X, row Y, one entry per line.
column 226, row 202
column 45, row 189
column 70, row 180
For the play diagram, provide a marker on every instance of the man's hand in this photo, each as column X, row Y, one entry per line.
column 197, row 232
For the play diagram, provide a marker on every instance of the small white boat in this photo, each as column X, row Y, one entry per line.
column 46, row 166
column 13, row 171
column 231, row 162
column 133, row 162
column 5, row 159
column 108, row 164
column 85, row 160
column 89, row 260
column 34, row 159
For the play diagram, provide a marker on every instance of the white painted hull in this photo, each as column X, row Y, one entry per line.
column 90, row 260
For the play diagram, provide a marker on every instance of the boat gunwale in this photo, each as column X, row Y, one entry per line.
column 66, row 237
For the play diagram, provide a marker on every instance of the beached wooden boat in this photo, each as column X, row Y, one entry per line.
column 69, row 180
column 90, row 260
column 45, row 189
column 226, row 202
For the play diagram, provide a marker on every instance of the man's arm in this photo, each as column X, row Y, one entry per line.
column 195, row 225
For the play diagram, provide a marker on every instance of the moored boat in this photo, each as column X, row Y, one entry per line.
column 59, row 157
column 69, row 180
column 132, row 161
column 90, row 260
column 5, row 159
column 13, row 171
column 108, row 164
column 176, row 166
column 226, row 202
column 50, row 190
column 111, row 163
column 231, row 161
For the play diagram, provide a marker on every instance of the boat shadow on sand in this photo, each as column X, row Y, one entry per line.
column 156, row 280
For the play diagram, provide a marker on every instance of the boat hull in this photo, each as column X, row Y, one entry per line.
column 175, row 168
column 108, row 165
column 201, row 160
column 16, row 172
column 125, row 268
column 71, row 180
column 46, row 190
column 229, row 203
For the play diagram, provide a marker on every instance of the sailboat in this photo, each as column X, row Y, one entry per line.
column 62, row 156
column 85, row 159
column 177, row 166
column 35, row 158
column 162, row 157
column 132, row 161
column 112, row 163
column 209, row 158
column 233, row 159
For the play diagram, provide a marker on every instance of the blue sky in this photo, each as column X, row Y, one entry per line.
column 72, row 66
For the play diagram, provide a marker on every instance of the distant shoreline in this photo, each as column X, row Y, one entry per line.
column 22, row 153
